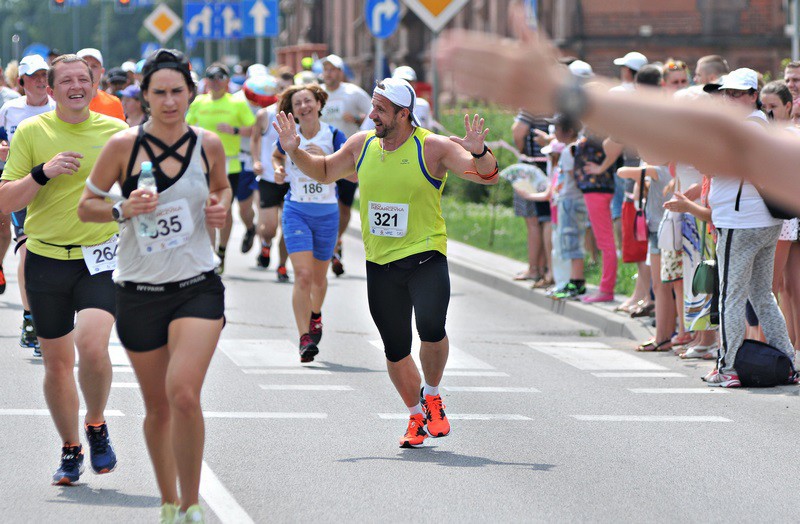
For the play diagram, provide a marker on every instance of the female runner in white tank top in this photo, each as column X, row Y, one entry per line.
column 170, row 301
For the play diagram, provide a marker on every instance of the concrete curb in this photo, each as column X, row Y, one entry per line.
column 496, row 271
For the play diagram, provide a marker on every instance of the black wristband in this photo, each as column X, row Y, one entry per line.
column 38, row 176
column 235, row 130
column 485, row 150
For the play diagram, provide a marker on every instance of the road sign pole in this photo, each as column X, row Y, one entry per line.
column 260, row 50
column 207, row 49
column 75, row 29
column 435, row 78
column 378, row 59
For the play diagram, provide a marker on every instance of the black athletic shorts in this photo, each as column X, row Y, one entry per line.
column 18, row 221
column 347, row 191
column 420, row 282
column 145, row 311
column 271, row 194
column 57, row 289
column 233, row 180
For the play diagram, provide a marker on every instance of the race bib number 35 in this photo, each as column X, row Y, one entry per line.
column 102, row 257
column 388, row 220
column 174, row 227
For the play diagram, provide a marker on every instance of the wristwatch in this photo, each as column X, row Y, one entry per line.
column 572, row 101
column 116, row 212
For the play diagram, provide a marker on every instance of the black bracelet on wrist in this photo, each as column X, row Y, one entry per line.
column 485, row 150
column 38, row 176
column 235, row 130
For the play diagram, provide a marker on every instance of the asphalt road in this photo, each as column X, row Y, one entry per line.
column 548, row 425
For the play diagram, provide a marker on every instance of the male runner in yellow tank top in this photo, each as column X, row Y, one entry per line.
column 401, row 171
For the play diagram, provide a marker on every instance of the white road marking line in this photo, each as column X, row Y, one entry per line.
column 220, row 500
column 456, row 359
column 124, row 384
column 46, row 413
column 594, row 356
column 260, row 353
column 122, row 369
column 679, row 391
column 448, row 373
column 648, row 418
column 298, row 371
column 261, row 414
column 306, row 387
column 634, row 374
column 489, row 389
column 459, row 416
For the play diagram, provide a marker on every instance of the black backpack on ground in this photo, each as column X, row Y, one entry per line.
column 763, row 366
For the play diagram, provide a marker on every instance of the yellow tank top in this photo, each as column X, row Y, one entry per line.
column 400, row 201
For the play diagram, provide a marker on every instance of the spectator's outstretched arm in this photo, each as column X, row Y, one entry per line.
column 525, row 73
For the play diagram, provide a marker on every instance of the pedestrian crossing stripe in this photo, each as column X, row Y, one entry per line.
column 461, row 416
column 262, row 353
column 594, row 356
column 456, row 359
column 648, row 418
column 680, row 391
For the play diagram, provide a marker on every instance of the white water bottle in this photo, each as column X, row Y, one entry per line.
column 147, row 221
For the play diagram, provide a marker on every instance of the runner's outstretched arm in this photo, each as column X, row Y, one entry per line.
column 326, row 169
column 467, row 157
column 526, row 74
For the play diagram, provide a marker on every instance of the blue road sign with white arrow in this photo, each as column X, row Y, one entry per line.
column 220, row 20
column 382, row 17
column 259, row 18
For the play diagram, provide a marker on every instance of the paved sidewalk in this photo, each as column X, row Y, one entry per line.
column 497, row 272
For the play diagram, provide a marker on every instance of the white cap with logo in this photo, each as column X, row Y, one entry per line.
column 742, row 79
column 399, row 92
column 632, row 60
column 32, row 63
column 91, row 51
column 405, row 73
column 334, row 60
column 581, row 69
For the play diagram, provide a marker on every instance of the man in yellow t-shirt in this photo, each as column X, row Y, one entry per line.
column 69, row 263
column 401, row 171
column 231, row 119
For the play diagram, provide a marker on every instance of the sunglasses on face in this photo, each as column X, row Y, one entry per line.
column 734, row 93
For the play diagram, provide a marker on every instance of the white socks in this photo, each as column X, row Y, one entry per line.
column 415, row 410
column 429, row 390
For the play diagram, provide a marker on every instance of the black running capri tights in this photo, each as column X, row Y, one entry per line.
column 420, row 283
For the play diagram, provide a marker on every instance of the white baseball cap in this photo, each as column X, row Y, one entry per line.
column 405, row 73
column 334, row 60
column 581, row 69
column 742, row 79
column 91, row 51
column 257, row 70
column 399, row 92
column 128, row 67
column 32, row 63
column 632, row 60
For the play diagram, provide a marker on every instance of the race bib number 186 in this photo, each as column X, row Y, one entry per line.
column 388, row 220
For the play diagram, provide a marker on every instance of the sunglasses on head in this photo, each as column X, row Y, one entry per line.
column 676, row 65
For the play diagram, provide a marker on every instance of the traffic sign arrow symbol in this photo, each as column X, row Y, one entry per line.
column 385, row 9
column 231, row 22
column 204, row 18
column 259, row 13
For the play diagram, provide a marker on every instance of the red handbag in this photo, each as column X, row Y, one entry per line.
column 634, row 229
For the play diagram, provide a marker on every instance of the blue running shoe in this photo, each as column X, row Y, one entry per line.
column 101, row 452
column 71, row 466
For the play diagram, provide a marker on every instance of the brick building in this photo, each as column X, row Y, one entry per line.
column 747, row 32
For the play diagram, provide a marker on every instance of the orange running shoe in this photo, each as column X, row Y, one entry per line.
column 438, row 425
column 415, row 434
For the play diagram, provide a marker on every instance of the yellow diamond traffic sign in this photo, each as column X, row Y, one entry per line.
column 435, row 13
column 163, row 23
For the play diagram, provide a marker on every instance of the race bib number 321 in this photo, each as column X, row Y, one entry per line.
column 388, row 220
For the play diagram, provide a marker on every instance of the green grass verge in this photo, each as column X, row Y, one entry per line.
column 505, row 234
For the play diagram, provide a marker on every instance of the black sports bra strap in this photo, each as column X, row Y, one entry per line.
column 135, row 152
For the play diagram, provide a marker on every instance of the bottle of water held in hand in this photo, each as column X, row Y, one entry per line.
column 147, row 221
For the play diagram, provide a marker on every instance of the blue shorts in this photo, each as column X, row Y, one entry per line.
column 572, row 216
column 303, row 232
column 245, row 186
